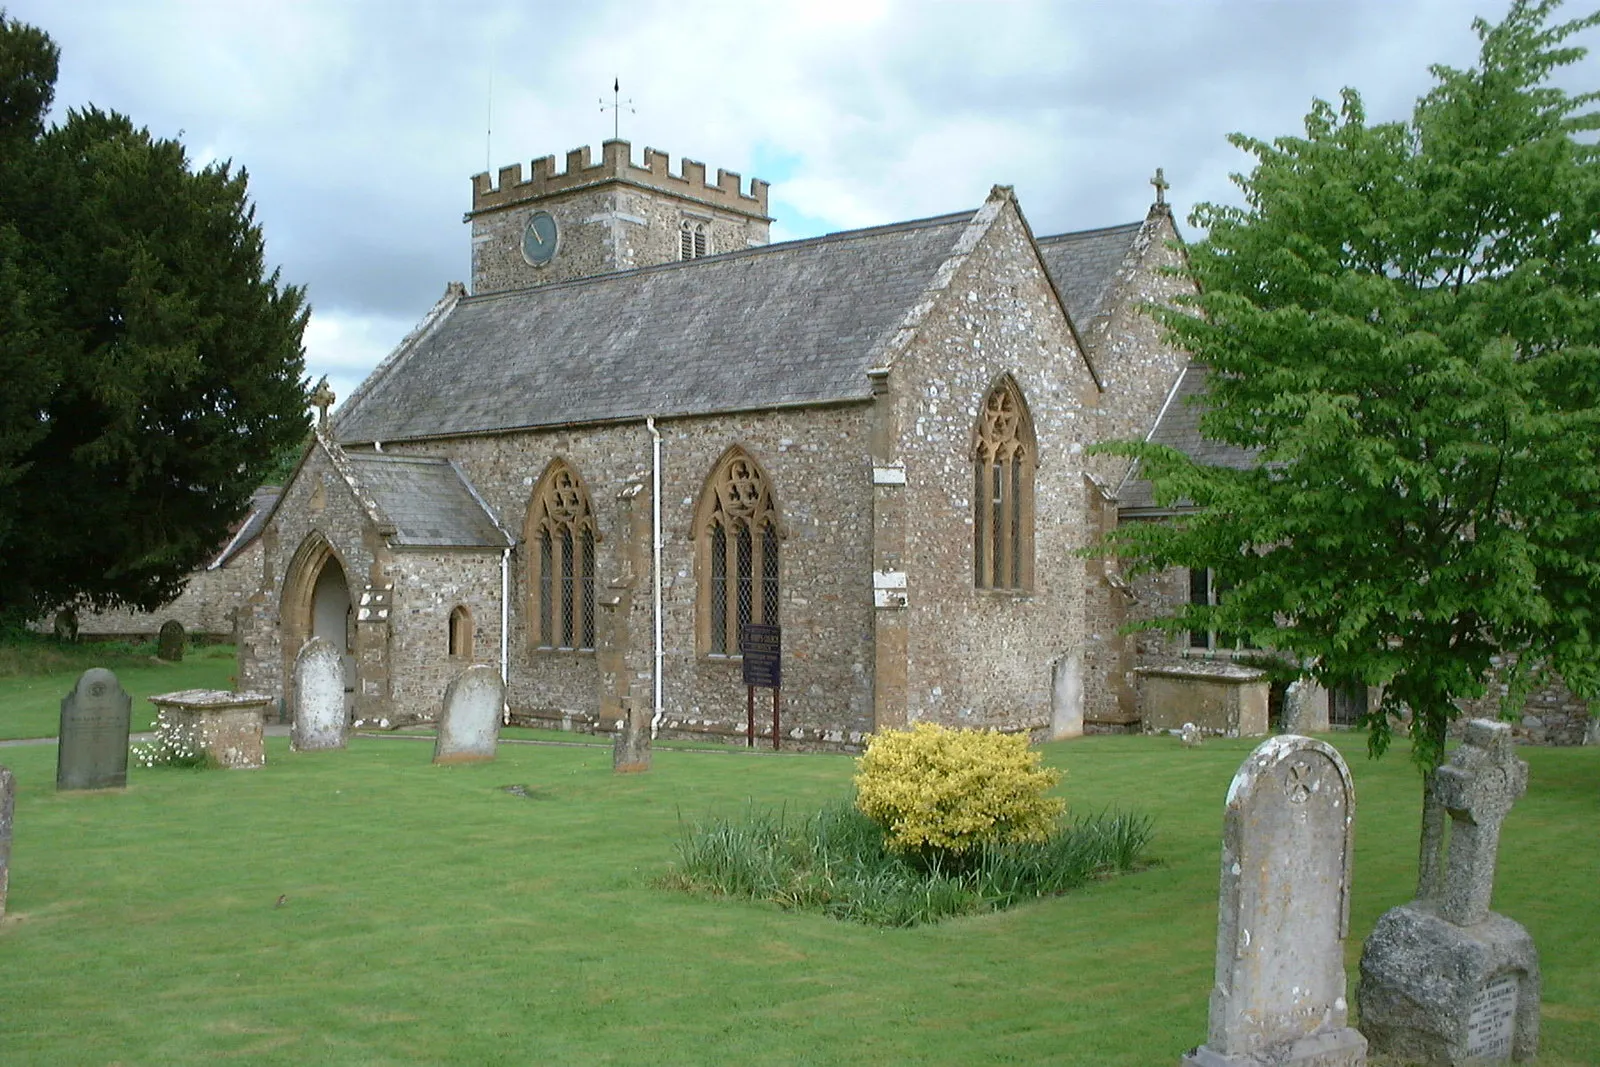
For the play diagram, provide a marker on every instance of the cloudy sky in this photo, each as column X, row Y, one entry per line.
column 361, row 121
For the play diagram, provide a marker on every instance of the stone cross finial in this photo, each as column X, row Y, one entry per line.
column 1476, row 788
column 1160, row 182
column 322, row 399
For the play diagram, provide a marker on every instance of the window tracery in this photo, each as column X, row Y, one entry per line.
column 561, row 535
column 1003, row 468
column 737, row 537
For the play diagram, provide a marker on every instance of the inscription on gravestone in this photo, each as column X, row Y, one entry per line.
column 93, row 748
column 1491, row 1019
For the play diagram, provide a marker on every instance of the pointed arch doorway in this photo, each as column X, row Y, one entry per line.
column 317, row 603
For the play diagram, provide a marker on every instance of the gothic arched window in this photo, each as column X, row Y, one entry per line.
column 560, row 538
column 1002, row 496
column 736, row 539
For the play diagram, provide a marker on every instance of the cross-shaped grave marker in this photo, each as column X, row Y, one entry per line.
column 1476, row 788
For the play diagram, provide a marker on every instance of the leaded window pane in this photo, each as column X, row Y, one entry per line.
column 567, row 590
column 719, row 590
column 546, row 592
column 746, row 579
column 769, row 575
column 586, row 591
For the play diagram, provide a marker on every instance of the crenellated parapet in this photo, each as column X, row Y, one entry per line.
column 616, row 164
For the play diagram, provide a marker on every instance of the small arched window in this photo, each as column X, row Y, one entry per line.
column 1002, row 491
column 460, row 633
column 736, row 541
column 560, row 536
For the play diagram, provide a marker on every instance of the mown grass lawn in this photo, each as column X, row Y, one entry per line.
column 35, row 675
column 433, row 918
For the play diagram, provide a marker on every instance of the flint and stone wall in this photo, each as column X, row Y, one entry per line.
column 206, row 605
column 979, row 657
column 1138, row 369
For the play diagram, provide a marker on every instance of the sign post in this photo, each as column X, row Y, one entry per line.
column 763, row 666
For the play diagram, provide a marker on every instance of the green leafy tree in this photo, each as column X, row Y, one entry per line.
column 1403, row 321
column 154, row 368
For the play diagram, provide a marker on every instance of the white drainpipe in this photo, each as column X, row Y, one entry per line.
column 655, row 505
column 505, row 626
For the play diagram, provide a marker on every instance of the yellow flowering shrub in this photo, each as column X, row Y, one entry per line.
column 937, row 789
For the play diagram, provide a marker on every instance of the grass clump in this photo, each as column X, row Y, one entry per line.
column 841, row 862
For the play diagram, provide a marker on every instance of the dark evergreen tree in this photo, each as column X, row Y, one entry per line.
column 154, row 371
column 1404, row 321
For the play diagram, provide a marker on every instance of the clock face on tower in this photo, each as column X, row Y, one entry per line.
column 539, row 238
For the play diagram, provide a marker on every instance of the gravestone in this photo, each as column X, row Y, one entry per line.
column 92, row 750
column 1283, row 913
column 65, row 626
column 469, row 729
column 630, row 747
column 170, row 641
column 1305, row 708
column 8, row 799
column 1444, row 980
column 319, row 716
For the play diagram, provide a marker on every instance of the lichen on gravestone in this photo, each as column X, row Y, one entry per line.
column 1444, row 980
column 1283, row 913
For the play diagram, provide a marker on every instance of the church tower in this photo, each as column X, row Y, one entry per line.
column 595, row 218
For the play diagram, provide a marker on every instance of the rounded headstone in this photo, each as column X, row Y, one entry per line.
column 92, row 750
column 170, row 641
column 319, row 715
column 469, row 729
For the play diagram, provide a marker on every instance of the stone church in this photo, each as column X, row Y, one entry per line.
column 645, row 427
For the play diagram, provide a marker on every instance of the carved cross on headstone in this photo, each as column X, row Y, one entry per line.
column 322, row 399
column 1476, row 788
column 1160, row 182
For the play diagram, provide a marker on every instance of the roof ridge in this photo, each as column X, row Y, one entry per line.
column 838, row 236
column 1098, row 231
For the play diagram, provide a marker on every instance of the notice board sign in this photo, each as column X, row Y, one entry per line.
column 763, row 655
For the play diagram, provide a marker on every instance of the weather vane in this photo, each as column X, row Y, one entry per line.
column 615, row 107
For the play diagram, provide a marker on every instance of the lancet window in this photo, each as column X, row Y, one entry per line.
column 1002, row 492
column 560, row 537
column 461, row 633
column 737, row 539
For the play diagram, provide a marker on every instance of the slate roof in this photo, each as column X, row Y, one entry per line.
column 426, row 500
column 248, row 529
column 793, row 323
column 1178, row 426
column 787, row 324
column 1084, row 264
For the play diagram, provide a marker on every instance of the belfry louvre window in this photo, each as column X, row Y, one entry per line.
column 560, row 538
column 737, row 541
column 694, row 239
column 1002, row 491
